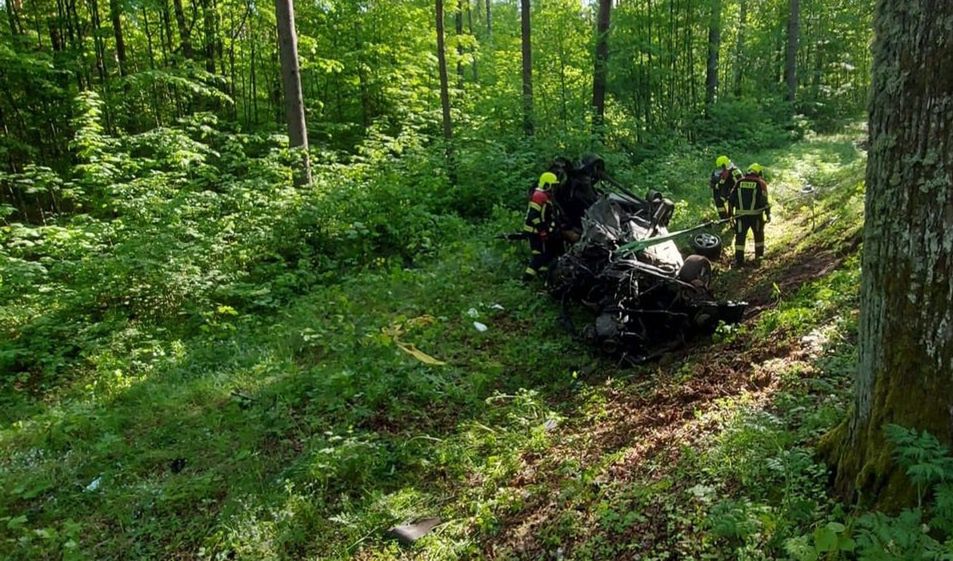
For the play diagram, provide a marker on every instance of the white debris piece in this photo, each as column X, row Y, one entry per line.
column 480, row 327
column 472, row 312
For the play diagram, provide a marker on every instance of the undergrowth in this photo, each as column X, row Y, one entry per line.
column 240, row 384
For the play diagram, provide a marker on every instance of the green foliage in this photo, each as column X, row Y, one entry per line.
column 924, row 532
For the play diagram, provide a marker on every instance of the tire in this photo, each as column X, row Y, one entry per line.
column 706, row 244
column 696, row 271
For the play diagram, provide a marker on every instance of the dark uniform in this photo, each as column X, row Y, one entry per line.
column 721, row 183
column 576, row 191
column 748, row 203
column 540, row 227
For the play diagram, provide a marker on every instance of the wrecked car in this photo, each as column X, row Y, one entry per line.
column 626, row 268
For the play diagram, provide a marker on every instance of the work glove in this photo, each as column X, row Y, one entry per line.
column 767, row 218
column 543, row 235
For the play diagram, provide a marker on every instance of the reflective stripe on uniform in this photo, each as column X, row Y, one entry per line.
column 535, row 206
column 740, row 247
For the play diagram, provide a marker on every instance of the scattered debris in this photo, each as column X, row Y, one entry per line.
column 398, row 329
column 480, row 326
column 177, row 465
column 497, row 307
column 409, row 533
column 94, row 484
column 473, row 313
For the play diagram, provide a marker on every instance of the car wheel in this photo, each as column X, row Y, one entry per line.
column 696, row 271
column 706, row 244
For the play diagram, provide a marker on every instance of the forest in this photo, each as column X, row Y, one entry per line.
column 257, row 300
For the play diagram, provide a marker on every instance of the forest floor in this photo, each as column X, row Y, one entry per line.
column 306, row 435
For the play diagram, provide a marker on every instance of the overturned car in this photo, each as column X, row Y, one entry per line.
column 626, row 268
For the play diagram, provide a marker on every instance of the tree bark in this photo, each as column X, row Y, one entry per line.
column 291, row 78
column 790, row 62
column 489, row 19
column 115, row 14
column 601, row 62
column 208, row 30
column 445, row 92
column 905, row 368
column 184, row 31
column 527, row 46
column 714, row 44
column 458, row 26
column 739, row 48
column 13, row 16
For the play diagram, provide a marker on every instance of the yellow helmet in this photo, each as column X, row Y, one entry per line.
column 756, row 169
column 722, row 161
column 547, row 180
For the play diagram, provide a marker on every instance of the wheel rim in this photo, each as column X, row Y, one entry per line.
column 706, row 241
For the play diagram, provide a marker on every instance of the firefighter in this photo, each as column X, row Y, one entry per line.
column 750, row 207
column 540, row 227
column 722, row 181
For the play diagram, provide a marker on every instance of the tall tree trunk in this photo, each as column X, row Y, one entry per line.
column 208, row 32
column 444, row 91
column 93, row 6
column 739, row 49
column 527, row 45
column 790, row 62
column 601, row 62
column 291, row 77
column 115, row 14
column 184, row 31
column 473, row 64
column 13, row 16
column 489, row 19
column 714, row 44
column 458, row 26
column 166, row 32
column 905, row 369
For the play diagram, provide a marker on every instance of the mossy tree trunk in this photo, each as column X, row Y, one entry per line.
column 905, row 370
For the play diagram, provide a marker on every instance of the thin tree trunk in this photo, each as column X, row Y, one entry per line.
column 115, row 14
column 714, row 44
column 166, row 35
column 790, row 64
column 740, row 48
column 253, row 78
column 444, row 92
column 601, row 62
column 473, row 64
column 291, row 76
column 905, row 367
column 458, row 25
column 184, row 31
column 525, row 31
column 13, row 17
column 208, row 30
column 489, row 20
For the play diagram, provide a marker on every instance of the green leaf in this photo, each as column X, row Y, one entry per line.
column 825, row 539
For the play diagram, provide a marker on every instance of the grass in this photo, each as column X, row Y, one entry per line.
column 305, row 434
